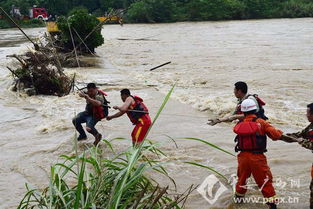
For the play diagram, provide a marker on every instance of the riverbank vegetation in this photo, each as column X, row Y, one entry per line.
column 33, row 23
column 202, row 10
column 149, row 11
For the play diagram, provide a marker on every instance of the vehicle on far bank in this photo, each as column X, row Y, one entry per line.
column 38, row 13
column 34, row 13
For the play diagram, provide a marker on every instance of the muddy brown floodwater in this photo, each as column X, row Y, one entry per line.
column 273, row 56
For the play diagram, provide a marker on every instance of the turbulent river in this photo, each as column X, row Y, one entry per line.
column 273, row 56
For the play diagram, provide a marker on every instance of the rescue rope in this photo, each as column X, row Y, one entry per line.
column 169, row 114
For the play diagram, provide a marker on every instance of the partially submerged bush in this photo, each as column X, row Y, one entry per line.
column 79, row 25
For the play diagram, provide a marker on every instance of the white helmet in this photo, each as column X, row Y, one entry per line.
column 248, row 105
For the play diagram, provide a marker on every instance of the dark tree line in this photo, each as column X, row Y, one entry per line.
column 176, row 10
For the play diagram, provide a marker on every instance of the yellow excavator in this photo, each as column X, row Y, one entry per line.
column 52, row 27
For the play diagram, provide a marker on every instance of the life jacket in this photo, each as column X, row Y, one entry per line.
column 101, row 111
column 248, row 137
column 261, row 103
column 139, row 108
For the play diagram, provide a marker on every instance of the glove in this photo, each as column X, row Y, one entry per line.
column 213, row 122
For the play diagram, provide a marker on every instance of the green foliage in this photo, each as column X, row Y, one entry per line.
column 5, row 24
column 23, row 23
column 139, row 12
column 293, row 8
column 83, row 23
column 106, row 5
column 176, row 10
column 151, row 11
column 214, row 10
column 198, row 10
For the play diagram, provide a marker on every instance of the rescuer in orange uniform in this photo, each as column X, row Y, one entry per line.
column 138, row 114
column 251, row 143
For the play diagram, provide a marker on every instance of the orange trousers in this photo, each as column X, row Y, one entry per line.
column 141, row 129
column 255, row 164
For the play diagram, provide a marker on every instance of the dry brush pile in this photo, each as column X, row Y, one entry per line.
column 41, row 71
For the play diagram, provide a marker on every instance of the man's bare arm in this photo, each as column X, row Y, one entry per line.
column 116, row 115
column 122, row 109
column 125, row 106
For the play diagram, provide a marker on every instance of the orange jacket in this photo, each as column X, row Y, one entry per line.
column 266, row 128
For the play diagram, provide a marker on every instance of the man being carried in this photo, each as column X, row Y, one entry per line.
column 305, row 138
column 241, row 93
column 96, row 109
column 251, row 141
column 137, row 113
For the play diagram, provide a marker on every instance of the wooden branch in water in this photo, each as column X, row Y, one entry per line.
column 69, row 27
column 12, row 71
column 160, row 66
column 159, row 196
column 72, row 84
column 23, row 62
column 10, row 18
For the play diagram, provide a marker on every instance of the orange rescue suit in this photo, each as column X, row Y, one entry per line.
column 255, row 163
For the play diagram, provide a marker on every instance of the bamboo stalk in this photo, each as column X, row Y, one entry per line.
column 9, row 17
column 12, row 71
column 69, row 27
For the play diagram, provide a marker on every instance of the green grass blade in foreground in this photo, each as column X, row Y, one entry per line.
column 163, row 105
column 119, row 188
column 209, row 168
column 52, row 170
column 108, row 144
column 80, row 185
column 210, row 144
